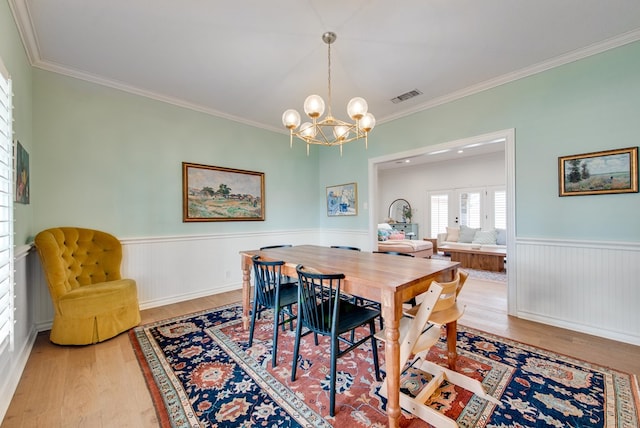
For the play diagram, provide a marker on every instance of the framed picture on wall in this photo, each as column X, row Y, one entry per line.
column 22, row 172
column 342, row 200
column 212, row 193
column 610, row 171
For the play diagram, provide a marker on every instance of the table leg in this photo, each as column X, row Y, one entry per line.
column 246, row 296
column 452, row 352
column 392, row 361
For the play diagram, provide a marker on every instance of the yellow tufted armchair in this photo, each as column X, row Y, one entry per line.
column 91, row 301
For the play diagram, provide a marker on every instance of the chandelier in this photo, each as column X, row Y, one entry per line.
column 329, row 131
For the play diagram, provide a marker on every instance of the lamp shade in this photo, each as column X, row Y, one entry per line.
column 341, row 132
column 367, row 122
column 291, row 119
column 357, row 108
column 314, row 106
column 307, row 130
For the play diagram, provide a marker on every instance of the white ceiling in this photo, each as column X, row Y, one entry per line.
column 250, row 60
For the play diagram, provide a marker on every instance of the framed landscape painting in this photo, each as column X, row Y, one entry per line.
column 211, row 193
column 342, row 200
column 611, row 171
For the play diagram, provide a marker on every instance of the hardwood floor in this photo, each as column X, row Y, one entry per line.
column 102, row 385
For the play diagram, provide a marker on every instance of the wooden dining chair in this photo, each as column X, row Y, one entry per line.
column 270, row 293
column 417, row 336
column 446, row 312
column 322, row 311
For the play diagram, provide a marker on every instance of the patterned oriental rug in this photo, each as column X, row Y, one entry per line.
column 202, row 374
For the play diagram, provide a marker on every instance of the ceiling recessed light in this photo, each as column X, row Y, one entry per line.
column 460, row 151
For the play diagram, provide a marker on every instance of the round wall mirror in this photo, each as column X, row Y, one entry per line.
column 397, row 210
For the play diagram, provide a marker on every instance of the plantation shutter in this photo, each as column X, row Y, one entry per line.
column 500, row 209
column 6, row 214
column 439, row 214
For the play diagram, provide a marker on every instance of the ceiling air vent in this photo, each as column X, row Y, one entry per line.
column 406, row 96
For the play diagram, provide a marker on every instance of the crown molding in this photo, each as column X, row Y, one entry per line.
column 22, row 17
column 594, row 49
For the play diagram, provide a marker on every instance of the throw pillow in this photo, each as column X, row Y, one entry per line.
column 383, row 234
column 467, row 234
column 396, row 236
column 485, row 237
column 453, row 234
column 501, row 238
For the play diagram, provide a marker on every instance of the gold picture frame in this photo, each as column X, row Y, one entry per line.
column 213, row 193
column 605, row 172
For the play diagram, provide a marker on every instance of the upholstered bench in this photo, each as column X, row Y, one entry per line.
column 416, row 248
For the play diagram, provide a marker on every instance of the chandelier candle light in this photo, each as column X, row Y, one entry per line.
column 329, row 131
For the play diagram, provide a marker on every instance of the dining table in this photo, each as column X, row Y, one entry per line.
column 384, row 278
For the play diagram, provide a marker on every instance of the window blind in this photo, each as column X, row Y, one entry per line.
column 6, row 211
column 500, row 209
column 439, row 214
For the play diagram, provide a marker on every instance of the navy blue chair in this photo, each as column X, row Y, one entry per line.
column 322, row 311
column 285, row 279
column 343, row 247
column 270, row 293
column 394, row 253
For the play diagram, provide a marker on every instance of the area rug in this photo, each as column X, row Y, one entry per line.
column 201, row 373
column 485, row 275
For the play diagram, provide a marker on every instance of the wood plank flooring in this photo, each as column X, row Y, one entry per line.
column 102, row 385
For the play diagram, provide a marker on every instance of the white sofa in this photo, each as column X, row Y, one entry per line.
column 465, row 237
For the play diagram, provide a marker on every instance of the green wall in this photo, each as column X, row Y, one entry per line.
column 585, row 106
column 17, row 63
column 111, row 160
column 104, row 158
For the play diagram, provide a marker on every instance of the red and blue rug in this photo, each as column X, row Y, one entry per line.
column 201, row 373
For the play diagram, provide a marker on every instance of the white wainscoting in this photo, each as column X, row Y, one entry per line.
column 14, row 358
column 591, row 287
column 171, row 269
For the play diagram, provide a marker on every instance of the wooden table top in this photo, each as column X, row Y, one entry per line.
column 363, row 270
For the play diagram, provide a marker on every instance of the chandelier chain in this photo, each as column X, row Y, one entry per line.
column 329, row 80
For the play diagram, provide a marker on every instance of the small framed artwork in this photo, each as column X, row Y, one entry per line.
column 22, row 174
column 211, row 193
column 610, row 171
column 342, row 200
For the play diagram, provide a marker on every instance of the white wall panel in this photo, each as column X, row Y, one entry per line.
column 592, row 287
column 178, row 268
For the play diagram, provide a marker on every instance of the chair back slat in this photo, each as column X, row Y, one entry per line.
column 268, row 275
column 319, row 299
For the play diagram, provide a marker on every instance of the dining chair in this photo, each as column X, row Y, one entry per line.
column 394, row 253
column 446, row 311
column 285, row 279
column 344, row 247
column 417, row 336
column 270, row 293
column 322, row 311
